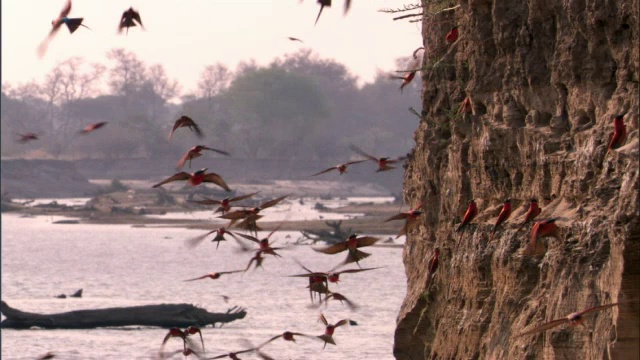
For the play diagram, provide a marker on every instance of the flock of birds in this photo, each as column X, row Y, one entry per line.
column 318, row 282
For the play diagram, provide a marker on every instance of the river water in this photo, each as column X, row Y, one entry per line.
column 121, row 265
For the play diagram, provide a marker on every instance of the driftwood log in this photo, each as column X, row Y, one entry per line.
column 163, row 315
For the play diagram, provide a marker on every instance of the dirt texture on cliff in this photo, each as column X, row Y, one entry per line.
column 545, row 79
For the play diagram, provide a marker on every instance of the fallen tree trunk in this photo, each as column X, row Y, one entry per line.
column 164, row 315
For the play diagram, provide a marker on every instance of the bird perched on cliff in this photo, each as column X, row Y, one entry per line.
column 26, row 137
column 541, row 229
column 195, row 179
column 233, row 355
column 196, row 152
column 225, row 204
column 327, row 337
column 619, row 133
column 504, row 215
column 383, row 162
column 573, row 319
column 342, row 168
column 472, row 211
column 93, row 127
column 410, row 217
column 433, row 266
column 351, row 244
column 185, row 121
column 452, row 35
column 214, row 275
column 72, row 25
column 129, row 19
column 534, row 210
column 220, row 233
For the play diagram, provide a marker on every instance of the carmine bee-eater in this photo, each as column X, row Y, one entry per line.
column 215, row 275
column 541, row 229
column 619, row 133
column 406, row 79
column 257, row 258
column 225, row 204
column 573, row 319
column 534, row 210
column 294, row 39
column 93, row 127
column 410, row 218
column 72, row 25
column 351, row 244
column 288, row 336
column 177, row 332
column 250, row 216
column 433, row 266
column 220, row 233
column 26, row 137
column 504, row 215
column 472, row 211
column 452, row 35
column 342, row 168
column 129, row 19
column 327, row 337
column 263, row 244
column 185, row 121
column 383, row 162
column 233, row 355
column 339, row 297
column 196, row 152
column 196, row 178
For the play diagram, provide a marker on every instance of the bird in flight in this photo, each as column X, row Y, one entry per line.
column 225, row 204
column 351, row 244
column 196, row 152
column 93, row 127
column 383, row 162
column 215, row 275
column 26, row 137
column 62, row 19
column 129, row 19
column 220, row 232
column 574, row 319
column 196, row 178
column 294, row 39
column 410, row 218
column 185, row 121
column 327, row 337
column 342, row 168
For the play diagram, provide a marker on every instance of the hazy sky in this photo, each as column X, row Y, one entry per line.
column 196, row 33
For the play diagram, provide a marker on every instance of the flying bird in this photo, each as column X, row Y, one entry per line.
column 183, row 334
column 294, row 39
column 339, row 297
column 472, row 211
column 233, row 355
column 196, row 178
column 342, row 168
column 263, row 244
column 534, row 210
column 504, row 215
column 196, row 152
column 327, row 337
column 26, row 137
column 351, row 244
column 322, row 3
column 287, row 336
column 225, row 204
column 410, row 218
column 541, row 229
column 129, row 19
column 185, row 121
column 257, row 258
column 619, row 133
column 215, row 275
column 72, row 25
column 452, row 35
column 220, row 233
column 574, row 319
column 93, row 127
column 406, row 79
column 383, row 162
column 248, row 217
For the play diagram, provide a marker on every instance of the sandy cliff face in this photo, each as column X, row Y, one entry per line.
column 546, row 78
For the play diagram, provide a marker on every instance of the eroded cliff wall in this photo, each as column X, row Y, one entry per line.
column 545, row 78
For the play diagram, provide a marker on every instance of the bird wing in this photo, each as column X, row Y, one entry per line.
column 198, row 278
column 342, row 322
column 183, row 160
column 196, row 128
column 270, row 340
column 347, row 6
column 597, row 308
column 181, row 176
column 274, row 230
column 333, row 249
column 216, row 179
column 348, row 271
column 66, row 9
column 399, row 216
column 354, row 162
column 179, row 123
column 236, row 215
column 251, row 238
column 195, row 241
column 323, row 319
column 238, row 198
column 401, row 158
column 136, row 16
column 230, row 272
column 367, row 241
column 206, row 201
column 218, row 151
column 359, row 151
column 272, row 202
column 544, row 327
column 325, row 171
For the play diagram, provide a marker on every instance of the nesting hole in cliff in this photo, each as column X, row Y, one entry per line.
column 481, row 109
column 517, row 179
column 544, row 119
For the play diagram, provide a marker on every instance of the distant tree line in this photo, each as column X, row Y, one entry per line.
column 299, row 106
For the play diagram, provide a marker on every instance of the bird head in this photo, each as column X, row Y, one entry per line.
column 200, row 172
column 508, row 201
column 534, row 200
column 436, row 251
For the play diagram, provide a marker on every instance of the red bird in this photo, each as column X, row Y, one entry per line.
column 215, row 275
column 93, row 127
column 351, row 244
column 287, row 336
column 534, row 210
column 250, row 216
column 471, row 213
column 263, row 244
column 452, row 35
column 225, row 204
column 220, row 232
column 383, row 162
column 504, row 215
column 26, row 137
column 433, row 266
column 185, row 121
column 342, row 168
column 72, row 24
column 410, row 218
column 257, row 258
column 541, row 229
column 339, row 297
column 196, row 152
column 176, row 332
column 619, row 133
column 327, row 337
column 574, row 319
column 406, row 79
column 196, row 178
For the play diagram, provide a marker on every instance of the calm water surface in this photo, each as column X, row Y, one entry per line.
column 118, row 265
